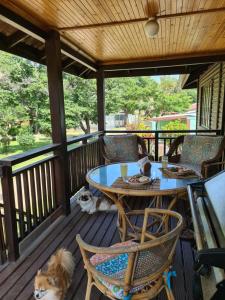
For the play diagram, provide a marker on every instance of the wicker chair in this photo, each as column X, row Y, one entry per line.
column 201, row 153
column 135, row 269
column 123, row 148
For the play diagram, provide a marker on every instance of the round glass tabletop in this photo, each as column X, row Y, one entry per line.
column 103, row 177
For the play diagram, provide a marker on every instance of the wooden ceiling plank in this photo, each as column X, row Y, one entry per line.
column 108, row 34
column 123, row 31
column 133, row 20
column 120, row 30
column 110, row 15
column 126, row 29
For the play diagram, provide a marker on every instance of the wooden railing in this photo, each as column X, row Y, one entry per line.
column 29, row 193
column 84, row 156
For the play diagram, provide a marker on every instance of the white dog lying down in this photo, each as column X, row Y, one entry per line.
column 92, row 204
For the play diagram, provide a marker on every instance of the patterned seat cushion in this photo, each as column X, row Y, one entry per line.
column 114, row 266
column 121, row 148
column 198, row 148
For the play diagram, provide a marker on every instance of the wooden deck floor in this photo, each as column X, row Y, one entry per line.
column 16, row 279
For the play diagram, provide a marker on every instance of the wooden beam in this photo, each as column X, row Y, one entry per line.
column 159, row 63
column 21, row 50
column 138, row 20
column 20, row 23
column 27, row 27
column 75, row 55
column 101, row 100
column 16, row 38
column 147, row 72
column 67, row 63
column 56, row 96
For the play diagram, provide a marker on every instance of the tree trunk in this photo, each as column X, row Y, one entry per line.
column 88, row 126
column 125, row 118
column 86, row 129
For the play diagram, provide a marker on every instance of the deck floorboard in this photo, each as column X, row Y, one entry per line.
column 16, row 279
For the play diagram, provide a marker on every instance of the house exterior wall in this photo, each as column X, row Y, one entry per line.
column 211, row 86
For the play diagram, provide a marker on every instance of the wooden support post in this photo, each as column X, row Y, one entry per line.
column 56, row 96
column 101, row 99
column 10, row 213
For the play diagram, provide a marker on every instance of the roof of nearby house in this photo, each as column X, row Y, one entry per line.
column 174, row 116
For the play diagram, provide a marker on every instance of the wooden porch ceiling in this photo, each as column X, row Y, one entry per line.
column 111, row 33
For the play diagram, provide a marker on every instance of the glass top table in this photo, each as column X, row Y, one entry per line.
column 104, row 176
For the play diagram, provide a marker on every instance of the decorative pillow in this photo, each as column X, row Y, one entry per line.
column 121, row 148
column 114, row 266
column 198, row 148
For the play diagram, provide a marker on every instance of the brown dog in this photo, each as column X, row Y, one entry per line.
column 54, row 283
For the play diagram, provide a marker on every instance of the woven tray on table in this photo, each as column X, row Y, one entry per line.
column 119, row 183
column 184, row 175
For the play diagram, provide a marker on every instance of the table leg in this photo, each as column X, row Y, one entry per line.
column 123, row 220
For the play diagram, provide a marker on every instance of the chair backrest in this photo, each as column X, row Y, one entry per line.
column 161, row 242
column 199, row 148
column 121, row 148
column 140, row 262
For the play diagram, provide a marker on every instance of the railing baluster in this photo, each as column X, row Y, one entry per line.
column 39, row 196
column 49, row 194
column 33, row 198
column 44, row 193
column 20, row 206
column 27, row 201
column 53, row 188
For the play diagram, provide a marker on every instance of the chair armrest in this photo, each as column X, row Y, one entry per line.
column 144, row 151
column 174, row 145
column 208, row 164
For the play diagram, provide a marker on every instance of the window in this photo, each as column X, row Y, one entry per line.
column 206, row 104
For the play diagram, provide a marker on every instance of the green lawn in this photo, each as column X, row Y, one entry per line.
column 15, row 148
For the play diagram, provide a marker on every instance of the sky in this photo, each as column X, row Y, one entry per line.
column 157, row 78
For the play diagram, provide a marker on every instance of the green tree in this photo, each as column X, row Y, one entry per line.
column 174, row 125
column 131, row 94
column 24, row 84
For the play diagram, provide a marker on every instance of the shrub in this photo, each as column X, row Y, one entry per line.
column 25, row 139
column 5, row 141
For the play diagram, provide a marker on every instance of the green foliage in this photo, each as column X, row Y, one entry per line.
column 24, row 93
column 24, row 97
column 25, row 138
column 174, row 125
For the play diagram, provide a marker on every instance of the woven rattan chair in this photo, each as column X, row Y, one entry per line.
column 201, row 153
column 123, row 148
column 137, row 270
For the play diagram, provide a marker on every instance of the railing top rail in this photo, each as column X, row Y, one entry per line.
column 165, row 131
column 33, row 165
column 83, row 137
column 16, row 159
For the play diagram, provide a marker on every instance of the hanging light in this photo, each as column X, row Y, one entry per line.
column 151, row 27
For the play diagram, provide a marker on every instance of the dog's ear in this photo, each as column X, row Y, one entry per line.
column 52, row 281
column 39, row 272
